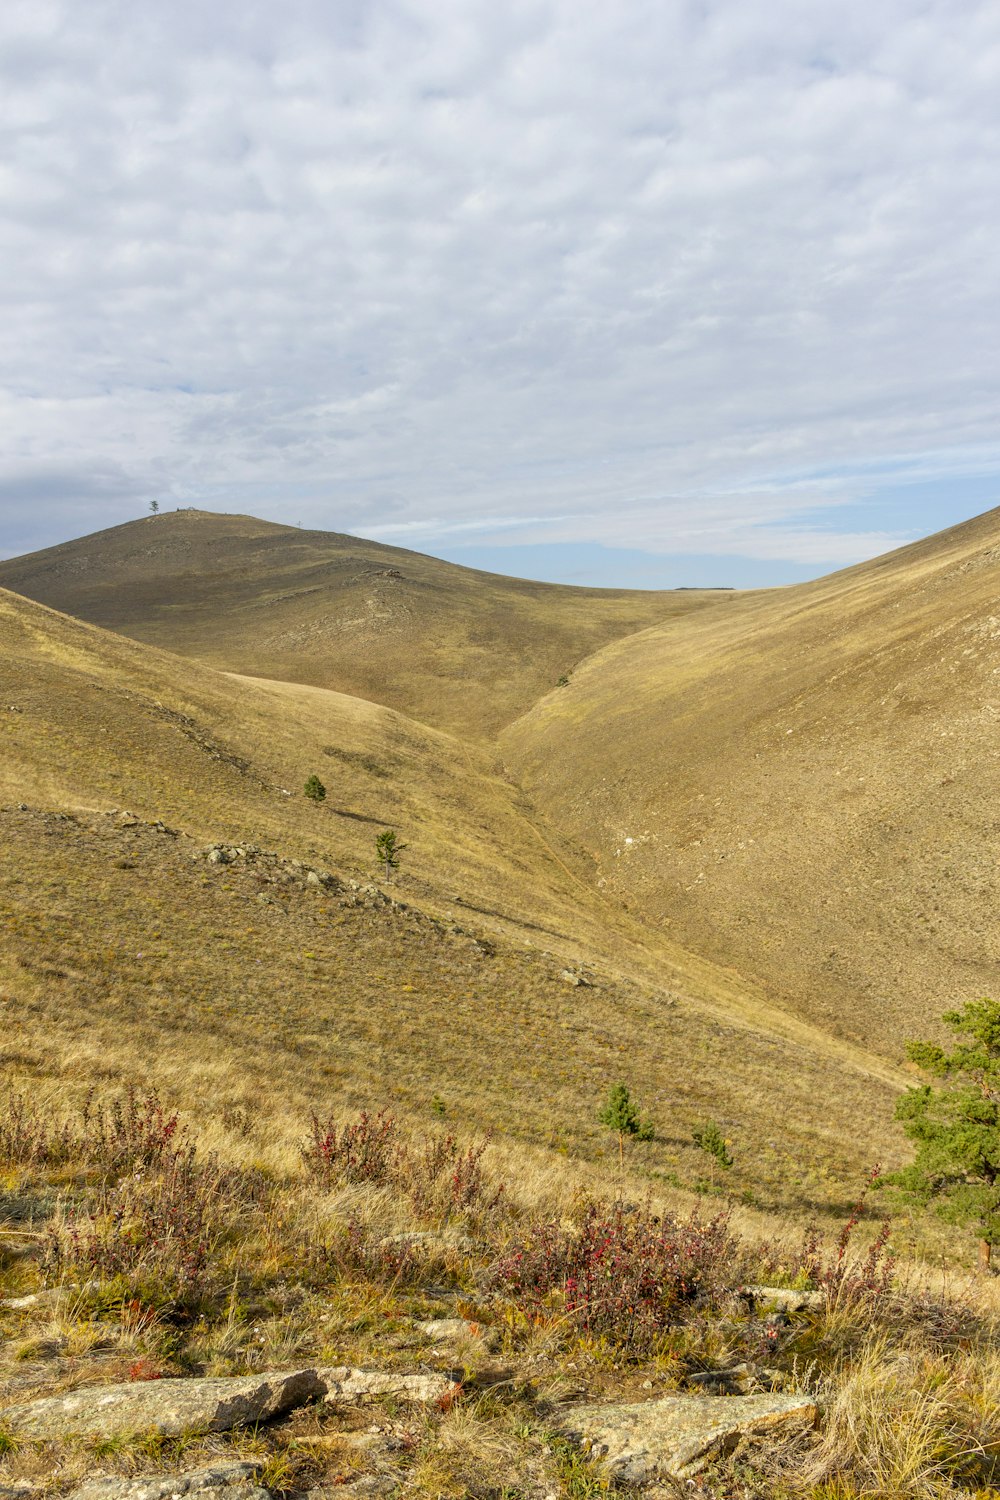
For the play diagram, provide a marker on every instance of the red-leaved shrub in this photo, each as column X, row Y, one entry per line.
column 626, row 1276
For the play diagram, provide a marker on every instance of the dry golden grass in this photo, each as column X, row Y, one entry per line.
column 251, row 998
column 459, row 649
column 800, row 786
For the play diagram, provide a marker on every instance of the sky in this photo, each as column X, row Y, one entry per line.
column 656, row 293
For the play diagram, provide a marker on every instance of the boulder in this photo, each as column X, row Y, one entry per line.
column 221, row 1482
column 676, row 1436
column 343, row 1384
column 168, row 1407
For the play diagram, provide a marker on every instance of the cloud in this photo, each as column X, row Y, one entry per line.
column 414, row 268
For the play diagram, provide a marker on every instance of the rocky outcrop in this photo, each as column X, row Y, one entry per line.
column 216, row 1404
column 167, row 1407
column 675, row 1437
column 221, row 1482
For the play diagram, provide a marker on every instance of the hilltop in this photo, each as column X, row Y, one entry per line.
column 456, row 648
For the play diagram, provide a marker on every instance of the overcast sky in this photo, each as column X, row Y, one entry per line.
column 651, row 292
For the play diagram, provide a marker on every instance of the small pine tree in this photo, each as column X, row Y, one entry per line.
column 621, row 1115
column 388, row 848
column 154, row 507
column 709, row 1137
column 314, row 789
column 957, row 1127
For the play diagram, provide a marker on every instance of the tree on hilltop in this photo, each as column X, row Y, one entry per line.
column 956, row 1127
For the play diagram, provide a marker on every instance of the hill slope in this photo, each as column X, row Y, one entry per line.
column 129, row 948
column 455, row 648
column 803, row 785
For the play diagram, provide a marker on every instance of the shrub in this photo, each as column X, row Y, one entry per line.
column 364, row 1151
column 443, row 1178
column 629, row 1277
column 848, row 1279
column 134, row 1130
column 314, row 789
column 435, row 1172
column 151, row 1231
column 709, row 1137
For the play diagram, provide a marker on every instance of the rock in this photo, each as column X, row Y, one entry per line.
column 571, row 976
column 365, row 1484
column 17, row 1304
column 430, row 1242
column 674, row 1437
column 344, row 1384
column 222, row 1482
column 782, row 1299
column 735, row 1380
column 451, row 1328
column 169, row 1407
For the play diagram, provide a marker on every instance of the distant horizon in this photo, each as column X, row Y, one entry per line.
column 584, row 565
column 662, row 296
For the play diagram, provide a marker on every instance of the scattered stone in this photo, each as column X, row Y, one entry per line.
column 344, row 1384
column 572, row 976
column 451, row 1328
column 169, row 1407
column 222, row 1482
column 737, row 1380
column 782, row 1299
column 430, row 1242
column 17, row 1304
column 673, row 1438
column 365, row 1484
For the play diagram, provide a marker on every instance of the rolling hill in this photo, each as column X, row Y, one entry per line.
column 458, row 649
column 173, row 905
column 803, row 786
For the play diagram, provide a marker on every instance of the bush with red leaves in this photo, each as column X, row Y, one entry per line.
column 627, row 1276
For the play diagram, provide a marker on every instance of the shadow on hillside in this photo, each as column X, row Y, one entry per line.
column 342, row 812
column 489, row 911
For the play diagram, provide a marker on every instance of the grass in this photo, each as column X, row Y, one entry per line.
column 796, row 786
column 462, row 650
column 267, row 1011
column 907, row 1371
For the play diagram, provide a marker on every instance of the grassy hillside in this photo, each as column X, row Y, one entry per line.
column 178, row 916
column 455, row 648
column 804, row 785
column 458, row 988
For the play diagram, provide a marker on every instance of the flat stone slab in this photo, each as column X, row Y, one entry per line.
column 169, row 1407
column 221, row 1482
column 676, row 1436
column 343, row 1384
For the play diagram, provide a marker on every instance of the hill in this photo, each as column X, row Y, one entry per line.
column 486, row 971
column 458, row 649
column 802, row 786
